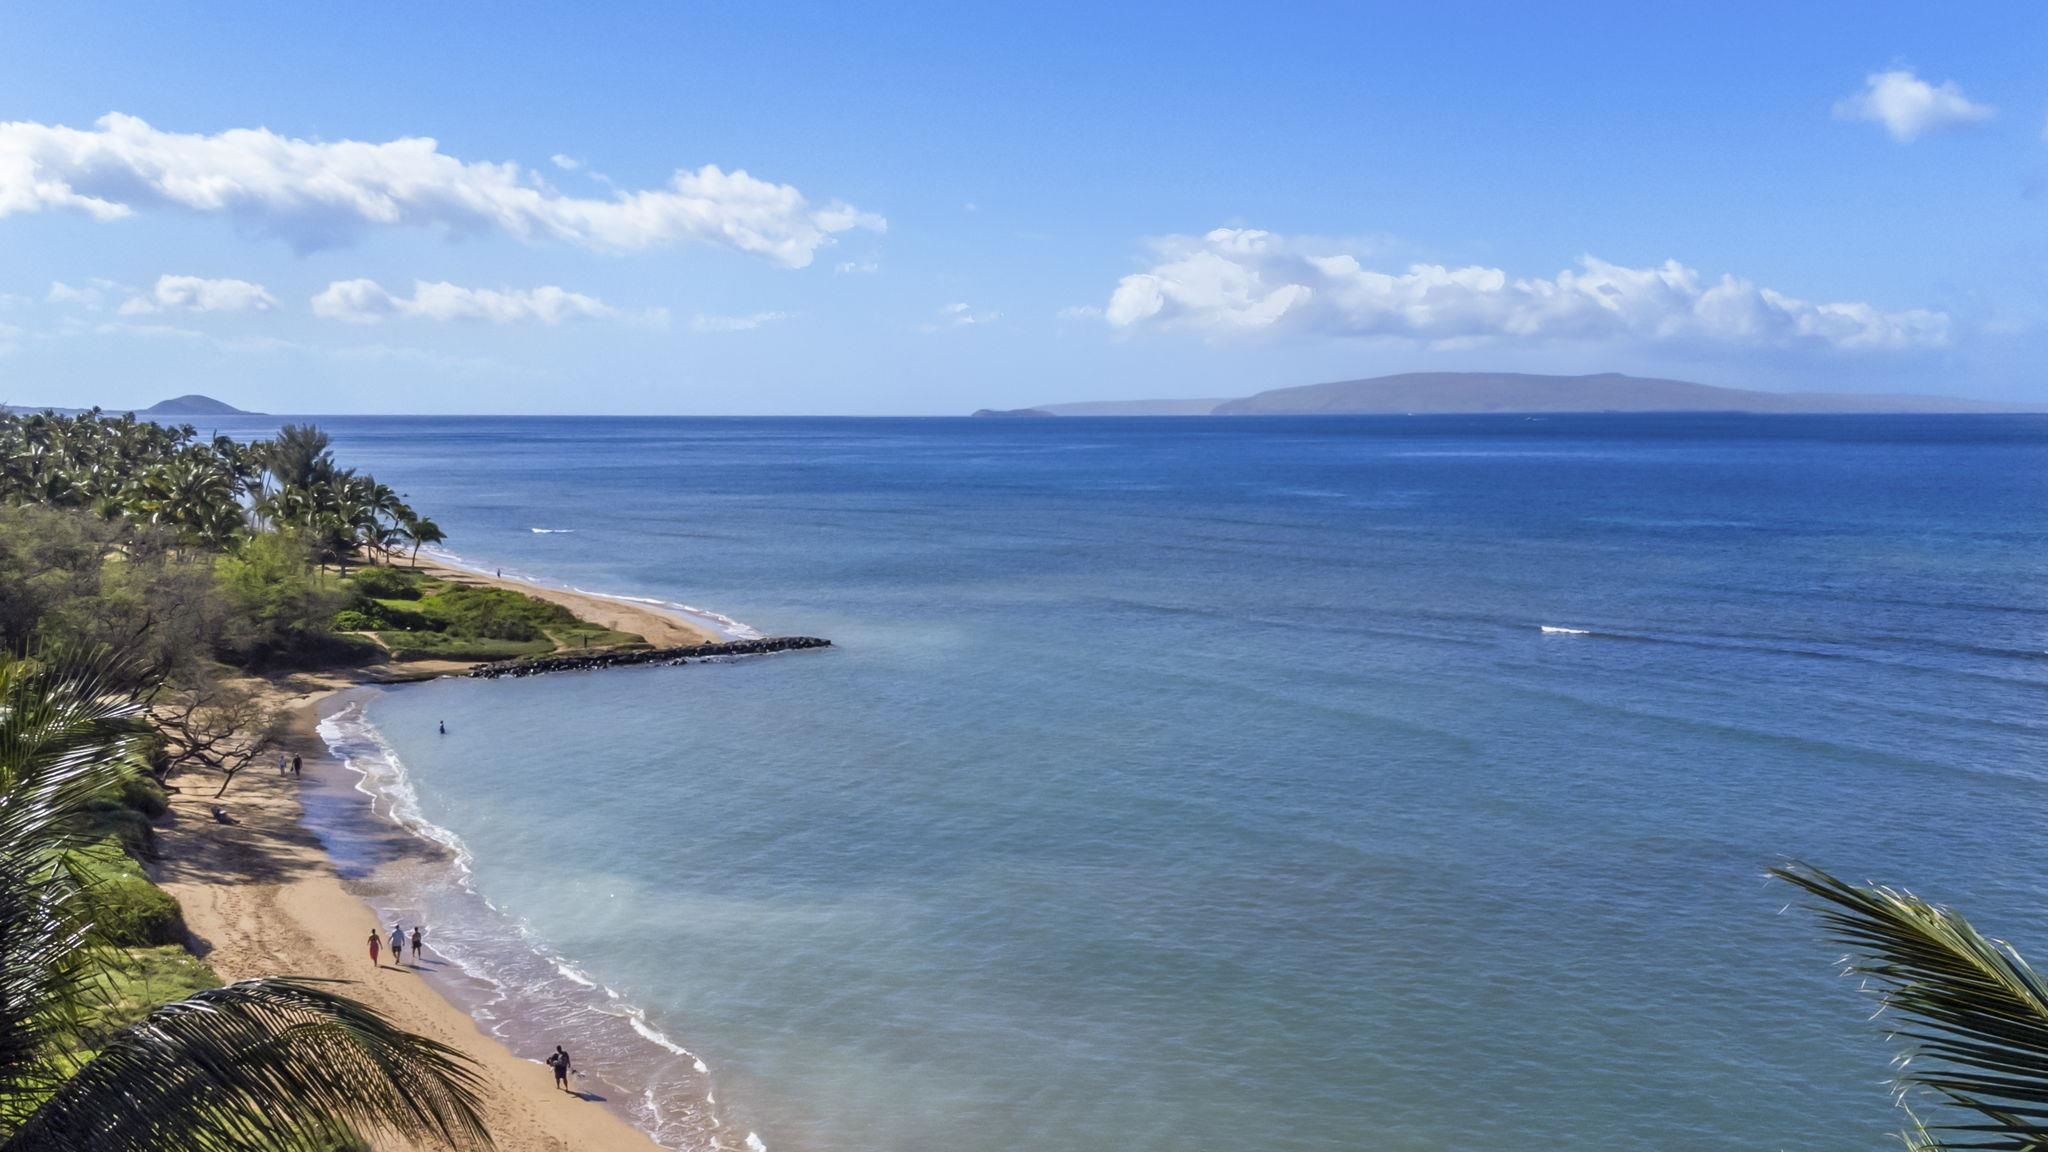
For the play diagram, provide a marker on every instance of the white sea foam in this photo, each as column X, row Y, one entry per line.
column 650, row 1032
column 550, row 531
column 754, row 1142
column 1549, row 630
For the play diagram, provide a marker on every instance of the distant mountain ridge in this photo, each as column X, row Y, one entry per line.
column 1443, row 393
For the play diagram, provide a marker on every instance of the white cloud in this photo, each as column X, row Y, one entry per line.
column 89, row 297
column 1242, row 281
column 316, row 194
column 367, row 302
column 1910, row 107
column 565, row 163
column 961, row 315
column 745, row 323
column 856, row 268
column 197, row 294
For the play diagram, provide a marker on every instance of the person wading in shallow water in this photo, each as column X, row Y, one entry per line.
column 376, row 942
column 415, row 943
column 559, row 1061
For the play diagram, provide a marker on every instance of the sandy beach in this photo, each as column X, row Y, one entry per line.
column 261, row 898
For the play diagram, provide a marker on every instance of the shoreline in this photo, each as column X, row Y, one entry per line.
column 265, row 897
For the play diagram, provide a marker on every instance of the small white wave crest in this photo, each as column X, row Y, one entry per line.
column 1552, row 630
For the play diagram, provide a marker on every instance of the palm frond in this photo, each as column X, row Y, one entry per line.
column 1972, row 1014
column 68, row 728
column 259, row 1064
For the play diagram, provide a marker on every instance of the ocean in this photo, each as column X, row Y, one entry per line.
column 1290, row 784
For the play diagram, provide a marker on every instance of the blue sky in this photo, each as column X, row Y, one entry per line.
column 946, row 208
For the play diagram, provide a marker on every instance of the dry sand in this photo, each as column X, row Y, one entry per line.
column 262, row 899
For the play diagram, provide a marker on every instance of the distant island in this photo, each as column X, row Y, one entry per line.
column 1435, row 393
column 190, row 404
column 193, row 404
column 1012, row 412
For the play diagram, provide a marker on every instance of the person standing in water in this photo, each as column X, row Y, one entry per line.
column 416, row 943
column 443, row 726
column 376, row 941
column 295, row 763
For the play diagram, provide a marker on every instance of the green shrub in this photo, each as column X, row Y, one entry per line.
column 282, row 605
column 127, row 910
column 386, row 584
column 145, row 796
column 383, row 616
column 495, row 613
column 111, row 818
column 139, row 979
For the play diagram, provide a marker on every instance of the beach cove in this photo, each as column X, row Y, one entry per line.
column 268, row 894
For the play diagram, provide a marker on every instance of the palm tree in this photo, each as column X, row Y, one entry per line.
column 419, row 530
column 273, row 1063
column 299, row 458
column 1972, row 1013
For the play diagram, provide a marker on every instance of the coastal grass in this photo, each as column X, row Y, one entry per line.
column 418, row 616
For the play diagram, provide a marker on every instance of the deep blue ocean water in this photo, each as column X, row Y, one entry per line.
column 1205, row 783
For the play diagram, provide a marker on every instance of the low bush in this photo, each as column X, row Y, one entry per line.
column 127, row 910
column 495, row 613
column 386, row 584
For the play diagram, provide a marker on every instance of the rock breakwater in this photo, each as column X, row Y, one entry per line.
column 623, row 657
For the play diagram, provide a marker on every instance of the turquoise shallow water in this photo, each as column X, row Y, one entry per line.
column 1207, row 783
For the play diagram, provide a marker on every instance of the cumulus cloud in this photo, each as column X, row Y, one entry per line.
column 1240, row 281
column 317, row 194
column 961, row 315
column 198, row 294
column 368, row 302
column 745, row 323
column 1910, row 107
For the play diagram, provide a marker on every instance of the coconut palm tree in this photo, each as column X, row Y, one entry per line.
column 419, row 530
column 273, row 1063
column 1972, row 1015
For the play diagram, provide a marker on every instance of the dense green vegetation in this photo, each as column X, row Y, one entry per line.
column 137, row 1048
column 199, row 562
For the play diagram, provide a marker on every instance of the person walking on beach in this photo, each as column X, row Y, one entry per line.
column 375, row 942
column 559, row 1061
column 416, row 943
column 295, row 763
column 444, row 726
column 397, row 944
column 281, row 764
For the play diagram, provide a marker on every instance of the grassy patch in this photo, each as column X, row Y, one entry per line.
column 127, row 910
column 137, row 980
column 454, row 621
